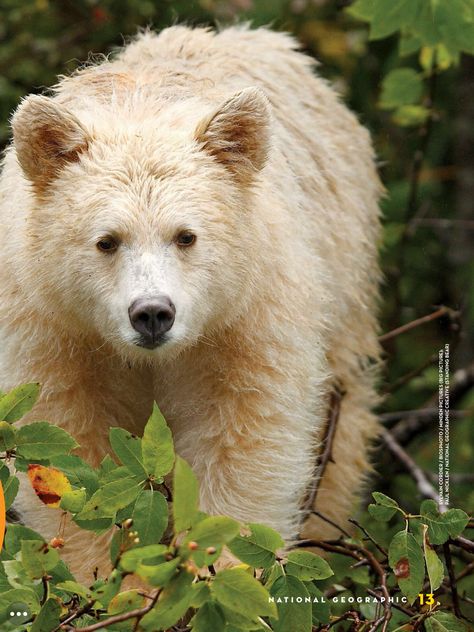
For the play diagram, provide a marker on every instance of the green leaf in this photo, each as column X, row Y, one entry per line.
column 130, row 559
column 389, row 17
column 7, row 436
column 213, row 531
column 410, row 115
column 128, row 448
column 362, row 9
column 160, row 574
column 15, row 534
column 381, row 513
column 292, row 615
column 321, row 611
column 15, row 404
column 74, row 588
column 150, row 516
column 403, row 86
column 107, row 590
column 455, row 521
column 409, row 44
column 41, row 440
column 406, row 559
column 201, row 594
column 208, row 618
column 385, row 501
column 441, row 526
column 98, row 525
column 106, row 466
column 257, row 549
column 111, row 497
column 73, row 501
column 38, row 558
column 22, row 595
column 79, row 473
column 126, row 601
column 444, row 622
column 185, row 496
column 234, row 587
column 307, row 566
column 48, row 617
column 157, row 445
column 10, row 490
column 172, row 605
column 434, row 565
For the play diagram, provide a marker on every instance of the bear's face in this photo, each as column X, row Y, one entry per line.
column 143, row 234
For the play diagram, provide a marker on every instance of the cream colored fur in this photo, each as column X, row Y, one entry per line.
column 275, row 301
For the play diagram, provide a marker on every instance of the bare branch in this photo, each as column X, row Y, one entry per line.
column 442, row 311
column 327, row 443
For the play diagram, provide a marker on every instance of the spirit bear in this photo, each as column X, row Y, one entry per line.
column 195, row 221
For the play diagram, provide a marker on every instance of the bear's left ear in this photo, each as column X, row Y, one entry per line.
column 46, row 137
column 237, row 134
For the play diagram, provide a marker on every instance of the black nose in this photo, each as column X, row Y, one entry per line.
column 152, row 318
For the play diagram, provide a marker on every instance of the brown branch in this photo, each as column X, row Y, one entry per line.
column 407, row 377
column 74, row 615
column 325, row 455
column 397, row 606
column 412, row 422
column 467, row 570
column 331, row 522
column 125, row 616
column 442, row 311
column 369, row 537
column 331, row 547
column 464, row 543
column 350, row 614
column 452, row 580
column 425, row 488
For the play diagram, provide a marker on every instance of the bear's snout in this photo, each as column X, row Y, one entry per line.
column 152, row 318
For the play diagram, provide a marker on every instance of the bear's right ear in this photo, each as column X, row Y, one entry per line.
column 46, row 137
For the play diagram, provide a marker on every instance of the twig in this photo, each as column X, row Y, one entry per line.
column 367, row 534
column 326, row 454
column 442, row 311
column 452, row 579
column 75, row 615
column 125, row 616
column 331, row 522
column 467, row 570
column 407, row 377
column 397, row 606
column 412, row 422
column 424, row 486
column 350, row 614
column 331, row 547
column 45, row 581
column 464, row 543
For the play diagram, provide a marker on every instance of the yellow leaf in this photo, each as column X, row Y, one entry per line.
column 49, row 484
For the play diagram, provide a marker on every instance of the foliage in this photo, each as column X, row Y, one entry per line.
column 269, row 590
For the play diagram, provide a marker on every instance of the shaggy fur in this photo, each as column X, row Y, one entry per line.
column 233, row 136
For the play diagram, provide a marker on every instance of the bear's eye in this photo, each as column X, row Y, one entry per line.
column 107, row 244
column 185, row 239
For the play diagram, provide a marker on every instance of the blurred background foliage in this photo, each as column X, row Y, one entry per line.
column 421, row 121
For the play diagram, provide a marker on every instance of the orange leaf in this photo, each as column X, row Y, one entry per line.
column 49, row 484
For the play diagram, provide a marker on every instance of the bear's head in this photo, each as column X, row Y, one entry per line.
column 141, row 227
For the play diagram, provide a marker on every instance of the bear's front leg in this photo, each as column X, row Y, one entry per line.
column 254, row 459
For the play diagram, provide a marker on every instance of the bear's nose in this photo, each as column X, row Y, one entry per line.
column 152, row 318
